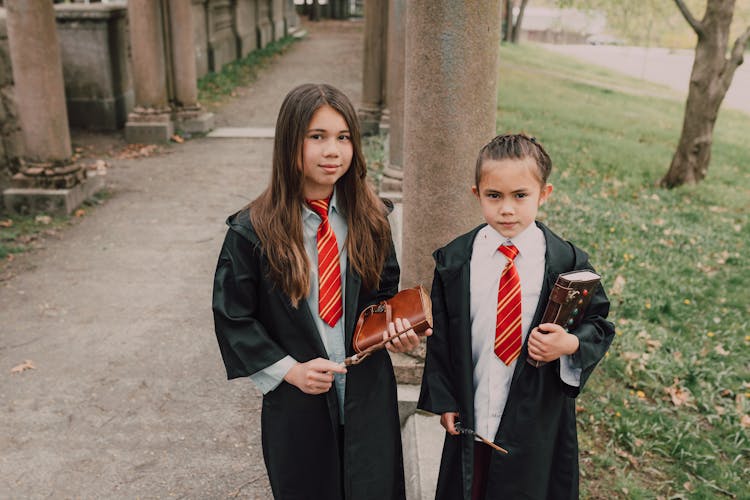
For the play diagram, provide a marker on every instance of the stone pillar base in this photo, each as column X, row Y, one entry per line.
column 149, row 126
column 195, row 123
column 51, row 201
column 148, row 132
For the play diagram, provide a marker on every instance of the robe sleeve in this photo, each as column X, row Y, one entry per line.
column 594, row 334
column 245, row 345
column 437, row 392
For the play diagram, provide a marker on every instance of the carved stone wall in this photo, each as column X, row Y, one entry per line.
column 11, row 140
column 93, row 47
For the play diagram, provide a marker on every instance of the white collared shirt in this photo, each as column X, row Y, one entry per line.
column 332, row 336
column 492, row 377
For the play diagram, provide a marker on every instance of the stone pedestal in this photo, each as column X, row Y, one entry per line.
column 149, row 126
column 94, row 43
column 51, row 200
column 373, row 74
column 449, row 114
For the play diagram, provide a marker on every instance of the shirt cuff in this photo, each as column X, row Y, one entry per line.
column 270, row 377
column 570, row 373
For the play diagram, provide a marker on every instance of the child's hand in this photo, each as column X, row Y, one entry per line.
column 551, row 342
column 407, row 341
column 315, row 376
column 448, row 421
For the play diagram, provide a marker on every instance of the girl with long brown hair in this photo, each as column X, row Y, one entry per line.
column 298, row 265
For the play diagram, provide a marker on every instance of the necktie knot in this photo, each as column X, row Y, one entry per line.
column 320, row 207
column 509, row 251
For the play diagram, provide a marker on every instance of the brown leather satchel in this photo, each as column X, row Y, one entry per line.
column 412, row 304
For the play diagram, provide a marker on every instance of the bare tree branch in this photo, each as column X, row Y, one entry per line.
column 735, row 59
column 738, row 50
column 694, row 23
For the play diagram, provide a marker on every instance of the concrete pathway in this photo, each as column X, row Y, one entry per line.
column 129, row 397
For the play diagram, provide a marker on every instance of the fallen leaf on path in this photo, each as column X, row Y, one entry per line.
column 80, row 212
column 43, row 219
column 6, row 223
column 176, row 138
column 26, row 365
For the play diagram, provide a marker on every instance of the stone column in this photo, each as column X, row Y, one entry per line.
column 449, row 114
column 373, row 74
column 393, row 174
column 188, row 114
column 38, row 77
column 48, row 180
column 151, row 119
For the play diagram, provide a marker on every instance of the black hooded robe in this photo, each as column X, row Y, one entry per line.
column 538, row 426
column 257, row 326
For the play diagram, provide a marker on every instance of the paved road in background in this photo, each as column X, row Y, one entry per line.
column 667, row 67
column 129, row 397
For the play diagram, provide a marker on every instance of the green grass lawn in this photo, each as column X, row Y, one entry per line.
column 667, row 412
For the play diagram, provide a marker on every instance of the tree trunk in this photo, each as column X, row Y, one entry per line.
column 507, row 19
column 519, row 20
column 709, row 81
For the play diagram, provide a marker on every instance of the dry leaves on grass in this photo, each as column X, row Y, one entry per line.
column 617, row 286
column 6, row 223
column 630, row 458
column 26, row 365
column 679, row 395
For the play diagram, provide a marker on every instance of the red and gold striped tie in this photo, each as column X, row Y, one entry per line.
column 329, row 271
column 508, row 327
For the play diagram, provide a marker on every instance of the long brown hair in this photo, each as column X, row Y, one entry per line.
column 277, row 213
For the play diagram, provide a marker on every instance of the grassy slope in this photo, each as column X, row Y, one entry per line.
column 667, row 412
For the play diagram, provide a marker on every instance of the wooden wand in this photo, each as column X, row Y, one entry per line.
column 470, row 432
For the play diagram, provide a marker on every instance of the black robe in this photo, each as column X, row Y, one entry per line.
column 257, row 326
column 538, row 426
